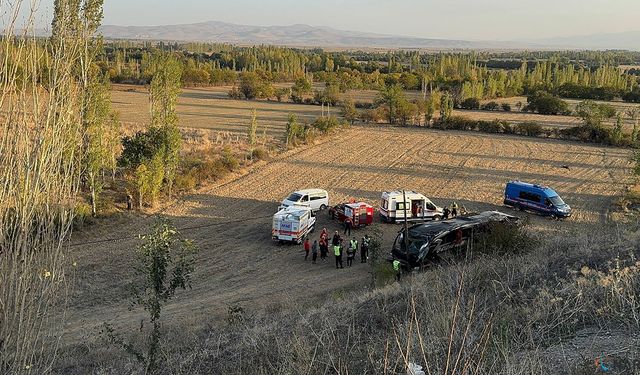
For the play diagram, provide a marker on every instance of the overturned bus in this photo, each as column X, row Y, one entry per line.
column 426, row 241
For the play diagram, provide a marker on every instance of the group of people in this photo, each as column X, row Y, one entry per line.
column 452, row 211
column 340, row 245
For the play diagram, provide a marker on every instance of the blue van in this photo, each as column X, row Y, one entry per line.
column 541, row 199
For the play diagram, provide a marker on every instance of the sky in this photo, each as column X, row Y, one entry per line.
column 450, row 19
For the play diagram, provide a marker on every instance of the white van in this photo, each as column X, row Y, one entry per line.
column 316, row 199
column 292, row 224
column 417, row 207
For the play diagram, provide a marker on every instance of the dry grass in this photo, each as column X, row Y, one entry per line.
column 557, row 308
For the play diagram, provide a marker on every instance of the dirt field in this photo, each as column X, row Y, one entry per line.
column 230, row 223
column 211, row 109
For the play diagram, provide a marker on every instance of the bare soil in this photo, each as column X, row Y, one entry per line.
column 230, row 223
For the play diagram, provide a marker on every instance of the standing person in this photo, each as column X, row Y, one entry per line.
column 336, row 239
column 307, row 247
column 314, row 251
column 324, row 244
column 129, row 202
column 337, row 251
column 364, row 249
column 445, row 213
column 351, row 252
column 397, row 269
column 348, row 223
column 454, row 209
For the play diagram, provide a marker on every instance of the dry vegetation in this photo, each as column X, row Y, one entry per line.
column 239, row 265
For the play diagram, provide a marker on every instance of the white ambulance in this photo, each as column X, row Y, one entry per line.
column 316, row 199
column 417, row 207
column 292, row 224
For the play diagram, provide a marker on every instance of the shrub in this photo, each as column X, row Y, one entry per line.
column 229, row 160
column 587, row 134
column 327, row 124
column 508, row 128
column 470, row 103
column 491, row 126
column 528, row 128
column 82, row 215
column 259, row 154
column 506, row 107
column 235, row 93
column 546, row 104
column 491, row 106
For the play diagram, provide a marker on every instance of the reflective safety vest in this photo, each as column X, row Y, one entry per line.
column 396, row 265
column 354, row 244
column 336, row 250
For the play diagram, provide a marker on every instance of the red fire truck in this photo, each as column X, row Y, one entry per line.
column 361, row 213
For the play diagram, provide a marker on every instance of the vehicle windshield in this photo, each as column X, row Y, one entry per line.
column 295, row 197
column 557, row 201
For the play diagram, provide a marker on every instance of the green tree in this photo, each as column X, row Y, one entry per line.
column 165, row 264
column 250, row 84
column 300, row 89
column 634, row 114
column 593, row 114
column 446, row 107
column 390, row 97
column 546, row 104
column 164, row 91
column 349, row 111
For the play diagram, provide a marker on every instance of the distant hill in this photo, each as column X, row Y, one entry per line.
column 294, row 35
column 629, row 40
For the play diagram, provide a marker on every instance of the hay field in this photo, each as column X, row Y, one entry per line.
column 210, row 109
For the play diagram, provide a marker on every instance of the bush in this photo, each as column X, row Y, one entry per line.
column 327, row 124
column 506, row 107
column 259, row 154
column 491, row 126
column 587, row 134
column 528, row 128
column 491, row 106
column 229, row 160
column 546, row 104
column 470, row 103
column 456, row 123
column 235, row 93
column 82, row 215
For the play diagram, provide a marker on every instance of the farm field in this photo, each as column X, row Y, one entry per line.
column 210, row 110
column 230, row 223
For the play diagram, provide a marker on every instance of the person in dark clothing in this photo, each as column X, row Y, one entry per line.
column 454, row 209
column 351, row 251
column 445, row 213
column 314, row 251
column 337, row 251
column 348, row 223
column 307, row 248
column 364, row 249
column 129, row 202
column 336, row 239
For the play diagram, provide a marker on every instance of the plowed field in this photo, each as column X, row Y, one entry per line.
column 238, row 262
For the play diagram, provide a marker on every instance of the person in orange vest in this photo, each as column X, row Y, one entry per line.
column 307, row 248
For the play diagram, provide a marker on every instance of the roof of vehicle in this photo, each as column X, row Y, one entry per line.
column 434, row 229
column 295, row 211
column 407, row 193
column 310, row 191
column 547, row 190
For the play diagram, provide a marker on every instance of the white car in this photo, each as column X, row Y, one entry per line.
column 316, row 199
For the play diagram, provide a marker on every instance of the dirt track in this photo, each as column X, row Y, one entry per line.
column 238, row 263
